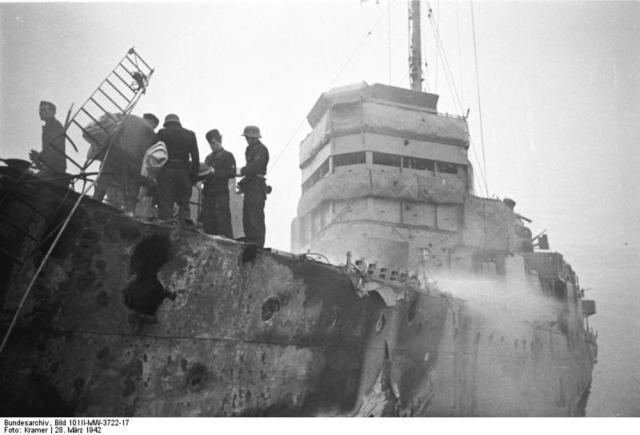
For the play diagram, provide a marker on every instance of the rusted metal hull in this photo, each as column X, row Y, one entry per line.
column 256, row 335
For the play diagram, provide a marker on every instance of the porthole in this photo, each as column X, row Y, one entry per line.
column 270, row 306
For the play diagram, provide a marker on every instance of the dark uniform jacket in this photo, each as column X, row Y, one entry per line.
column 257, row 157
column 224, row 165
column 53, row 136
column 181, row 143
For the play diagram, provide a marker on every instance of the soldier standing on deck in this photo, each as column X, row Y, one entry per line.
column 216, row 215
column 52, row 159
column 174, row 179
column 254, row 186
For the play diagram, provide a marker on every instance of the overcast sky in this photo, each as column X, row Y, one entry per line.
column 558, row 86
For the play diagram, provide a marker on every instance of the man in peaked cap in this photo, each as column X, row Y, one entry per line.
column 216, row 215
column 52, row 157
column 152, row 120
column 174, row 179
column 254, row 186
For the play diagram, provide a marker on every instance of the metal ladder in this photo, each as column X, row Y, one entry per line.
column 118, row 93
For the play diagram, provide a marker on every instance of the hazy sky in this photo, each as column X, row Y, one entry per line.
column 558, row 85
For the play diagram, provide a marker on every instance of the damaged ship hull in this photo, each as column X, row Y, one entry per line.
column 249, row 333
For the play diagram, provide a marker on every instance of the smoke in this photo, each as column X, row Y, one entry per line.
column 502, row 303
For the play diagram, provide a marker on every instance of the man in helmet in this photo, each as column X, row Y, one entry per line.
column 254, row 186
column 174, row 179
column 216, row 215
column 52, row 159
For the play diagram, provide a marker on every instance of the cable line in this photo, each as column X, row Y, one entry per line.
column 475, row 55
column 369, row 33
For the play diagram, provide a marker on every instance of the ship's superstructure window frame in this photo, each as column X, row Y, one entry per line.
column 436, row 167
column 386, row 159
column 446, row 168
column 418, row 164
column 317, row 175
column 347, row 159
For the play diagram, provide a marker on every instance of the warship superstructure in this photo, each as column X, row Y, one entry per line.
column 406, row 294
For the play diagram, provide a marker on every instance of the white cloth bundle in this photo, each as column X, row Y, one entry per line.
column 154, row 159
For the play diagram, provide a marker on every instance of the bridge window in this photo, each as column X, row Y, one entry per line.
column 349, row 159
column 316, row 176
column 387, row 159
column 447, row 168
column 417, row 163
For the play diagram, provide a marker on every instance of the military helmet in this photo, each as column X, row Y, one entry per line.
column 251, row 131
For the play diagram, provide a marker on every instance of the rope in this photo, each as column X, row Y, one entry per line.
column 454, row 91
column 447, row 67
column 357, row 50
column 389, row 38
column 460, row 66
column 437, row 46
column 475, row 55
column 46, row 257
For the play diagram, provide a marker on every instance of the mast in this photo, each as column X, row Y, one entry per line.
column 415, row 49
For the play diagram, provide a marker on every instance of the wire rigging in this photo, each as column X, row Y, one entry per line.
column 460, row 64
column 475, row 55
column 457, row 101
column 344, row 66
column 446, row 66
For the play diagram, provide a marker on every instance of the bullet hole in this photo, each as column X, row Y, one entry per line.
column 103, row 353
column 380, row 323
column 196, row 377
column 269, row 307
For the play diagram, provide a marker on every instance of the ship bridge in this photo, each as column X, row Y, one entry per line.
column 384, row 175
